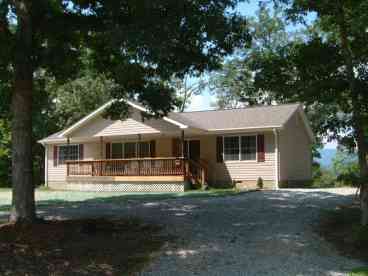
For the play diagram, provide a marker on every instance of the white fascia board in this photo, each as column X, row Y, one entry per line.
column 86, row 119
column 174, row 122
column 164, row 118
column 245, row 128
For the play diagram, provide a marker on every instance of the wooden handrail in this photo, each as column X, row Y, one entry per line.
column 198, row 171
column 127, row 167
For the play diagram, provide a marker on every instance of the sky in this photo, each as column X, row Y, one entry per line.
column 204, row 100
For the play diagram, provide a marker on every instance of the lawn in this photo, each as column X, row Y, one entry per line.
column 46, row 197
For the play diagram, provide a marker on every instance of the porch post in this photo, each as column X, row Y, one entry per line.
column 67, row 154
column 68, row 148
column 101, row 147
column 182, row 144
column 182, row 152
column 139, row 153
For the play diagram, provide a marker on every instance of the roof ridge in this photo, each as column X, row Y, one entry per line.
column 239, row 108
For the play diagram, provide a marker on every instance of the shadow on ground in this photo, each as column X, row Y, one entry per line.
column 260, row 233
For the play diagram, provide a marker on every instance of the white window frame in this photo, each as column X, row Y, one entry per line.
column 66, row 145
column 239, row 157
column 136, row 148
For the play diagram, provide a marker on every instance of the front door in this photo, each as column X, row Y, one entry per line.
column 194, row 149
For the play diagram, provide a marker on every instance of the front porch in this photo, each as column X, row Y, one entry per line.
column 159, row 174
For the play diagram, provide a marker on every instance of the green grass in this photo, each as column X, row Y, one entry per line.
column 46, row 196
column 361, row 271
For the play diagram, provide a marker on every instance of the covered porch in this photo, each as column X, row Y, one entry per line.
column 139, row 159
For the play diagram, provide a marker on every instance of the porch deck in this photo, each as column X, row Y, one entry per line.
column 134, row 171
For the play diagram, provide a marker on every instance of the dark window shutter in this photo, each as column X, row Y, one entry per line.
column 81, row 151
column 260, row 148
column 108, row 150
column 219, row 149
column 55, row 155
column 153, row 148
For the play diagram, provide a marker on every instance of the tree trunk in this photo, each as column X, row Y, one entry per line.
column 23, row 202
column 363, row 166
column 358, row 114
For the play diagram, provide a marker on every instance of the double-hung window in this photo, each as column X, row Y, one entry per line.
column 68, row 152
column 240, row 147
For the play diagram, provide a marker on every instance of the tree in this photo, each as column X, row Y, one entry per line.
column 138, row 44
column 186, row 88
column 344, row 33
column 233, row 85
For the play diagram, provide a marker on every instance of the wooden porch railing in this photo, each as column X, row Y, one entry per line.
column 127, row 167
column 197, row 171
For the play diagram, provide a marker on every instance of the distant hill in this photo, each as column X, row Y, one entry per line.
column 327, row 156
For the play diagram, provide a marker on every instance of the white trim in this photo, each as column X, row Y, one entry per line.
column 182, row 126
column 239, row 138
column 276, row 158
column 141, row 108
column 245, row 128
column 85, row 119
column 66, row 145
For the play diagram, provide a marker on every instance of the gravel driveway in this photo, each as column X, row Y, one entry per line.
column 256, row 233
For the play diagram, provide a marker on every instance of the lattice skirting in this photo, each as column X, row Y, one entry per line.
column 121, row 187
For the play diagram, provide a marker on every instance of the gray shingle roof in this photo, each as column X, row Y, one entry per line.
column 249, row 117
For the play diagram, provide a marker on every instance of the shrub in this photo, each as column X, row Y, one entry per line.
column 260, row 182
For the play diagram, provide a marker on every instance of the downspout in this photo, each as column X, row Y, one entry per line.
column 46, row 165
column 276, row 135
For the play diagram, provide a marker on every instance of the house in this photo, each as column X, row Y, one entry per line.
column 218, row 147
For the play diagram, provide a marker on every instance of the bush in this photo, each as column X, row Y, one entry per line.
column 260, row 182
column 326, row 179
column 360, row 236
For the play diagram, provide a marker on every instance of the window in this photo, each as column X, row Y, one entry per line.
column 66, row 152
column 144, row 149
column 130, row 150
column 231, row 148
column 116, row 150
column 248, row 148
column 240, row 148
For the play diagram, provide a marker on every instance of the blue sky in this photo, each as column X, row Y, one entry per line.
column 203, row 101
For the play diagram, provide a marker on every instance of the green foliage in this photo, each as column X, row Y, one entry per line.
column 346, row 168
column 71, row 101
column 260, row 182
column 234, row 84
column 324, row 179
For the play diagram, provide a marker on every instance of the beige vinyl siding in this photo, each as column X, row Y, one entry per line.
column 295, row 151
column 91, row 151
column 238, row 170
column 133, row 125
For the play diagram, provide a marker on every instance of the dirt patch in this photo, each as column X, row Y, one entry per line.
column 342, row 228
column 78, row 247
